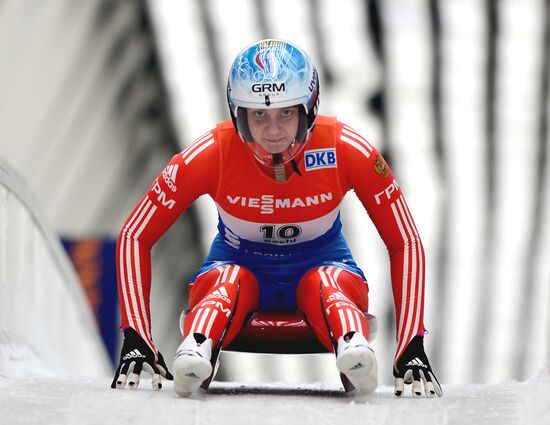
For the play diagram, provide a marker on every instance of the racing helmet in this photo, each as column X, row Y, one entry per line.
column 272, row 74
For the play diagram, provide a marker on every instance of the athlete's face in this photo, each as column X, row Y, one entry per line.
column 273, row 129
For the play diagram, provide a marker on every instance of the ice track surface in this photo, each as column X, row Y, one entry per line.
column 41, row 400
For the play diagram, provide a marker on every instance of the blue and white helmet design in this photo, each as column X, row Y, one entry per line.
column 273, row 74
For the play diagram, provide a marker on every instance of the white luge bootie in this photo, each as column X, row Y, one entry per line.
column 192, row 364
column 355, row 358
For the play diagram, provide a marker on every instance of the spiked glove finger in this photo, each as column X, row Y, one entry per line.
column 135, row 357
column 414, row 368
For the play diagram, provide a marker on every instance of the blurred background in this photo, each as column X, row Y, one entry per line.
column 97, row 95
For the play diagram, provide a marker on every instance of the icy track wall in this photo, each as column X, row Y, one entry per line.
column 46, row 324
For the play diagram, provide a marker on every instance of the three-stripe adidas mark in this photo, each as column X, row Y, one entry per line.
column 416, row 362
column 134, row 354
column 221, row 291
column 169, row 174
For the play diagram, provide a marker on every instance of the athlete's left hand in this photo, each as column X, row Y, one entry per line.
column 413, row 368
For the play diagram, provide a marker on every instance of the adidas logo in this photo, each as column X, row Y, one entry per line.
column 416, row 362
column 134, row 354
column 357, row 366
column 169, row 175
column 221, row 291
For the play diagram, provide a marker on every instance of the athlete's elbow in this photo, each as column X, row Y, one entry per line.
column 413, row 242
column 127, row 232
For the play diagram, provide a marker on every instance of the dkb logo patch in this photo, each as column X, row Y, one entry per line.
column 320, row 158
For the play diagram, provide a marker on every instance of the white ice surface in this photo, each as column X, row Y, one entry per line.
column 43, row 400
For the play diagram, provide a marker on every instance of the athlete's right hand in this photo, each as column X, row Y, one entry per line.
column 414, row 368
column 135, row 357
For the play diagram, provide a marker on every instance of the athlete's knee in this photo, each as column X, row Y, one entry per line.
column 248, row 289
column 318, row 280
column 312, row 280
column 227, row 295
column 246, row 278
column 333, row 283
column 233, row 277
column 318, row 286
column 308, row 289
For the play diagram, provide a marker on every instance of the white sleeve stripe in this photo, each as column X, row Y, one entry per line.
column 189, row 149
column 199, row 149
column 354, row 135
column 412, row 287
column 138, row 270
column 355, row 145
column 122, row 275
column 420, row 281
column 133, row 271
column 411, row 317
column 138, row 216
column 405, row 266
column 146, row 221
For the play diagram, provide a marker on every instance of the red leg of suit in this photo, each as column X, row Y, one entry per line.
column 345, row 299
column 212, row 298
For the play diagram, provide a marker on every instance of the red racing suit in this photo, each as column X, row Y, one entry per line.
column 256, row 211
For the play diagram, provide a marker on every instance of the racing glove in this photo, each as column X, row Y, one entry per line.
column 135, row 357
column 413, row 368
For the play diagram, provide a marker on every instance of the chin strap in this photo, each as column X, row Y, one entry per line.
column 279, row 167
column 280, row 174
